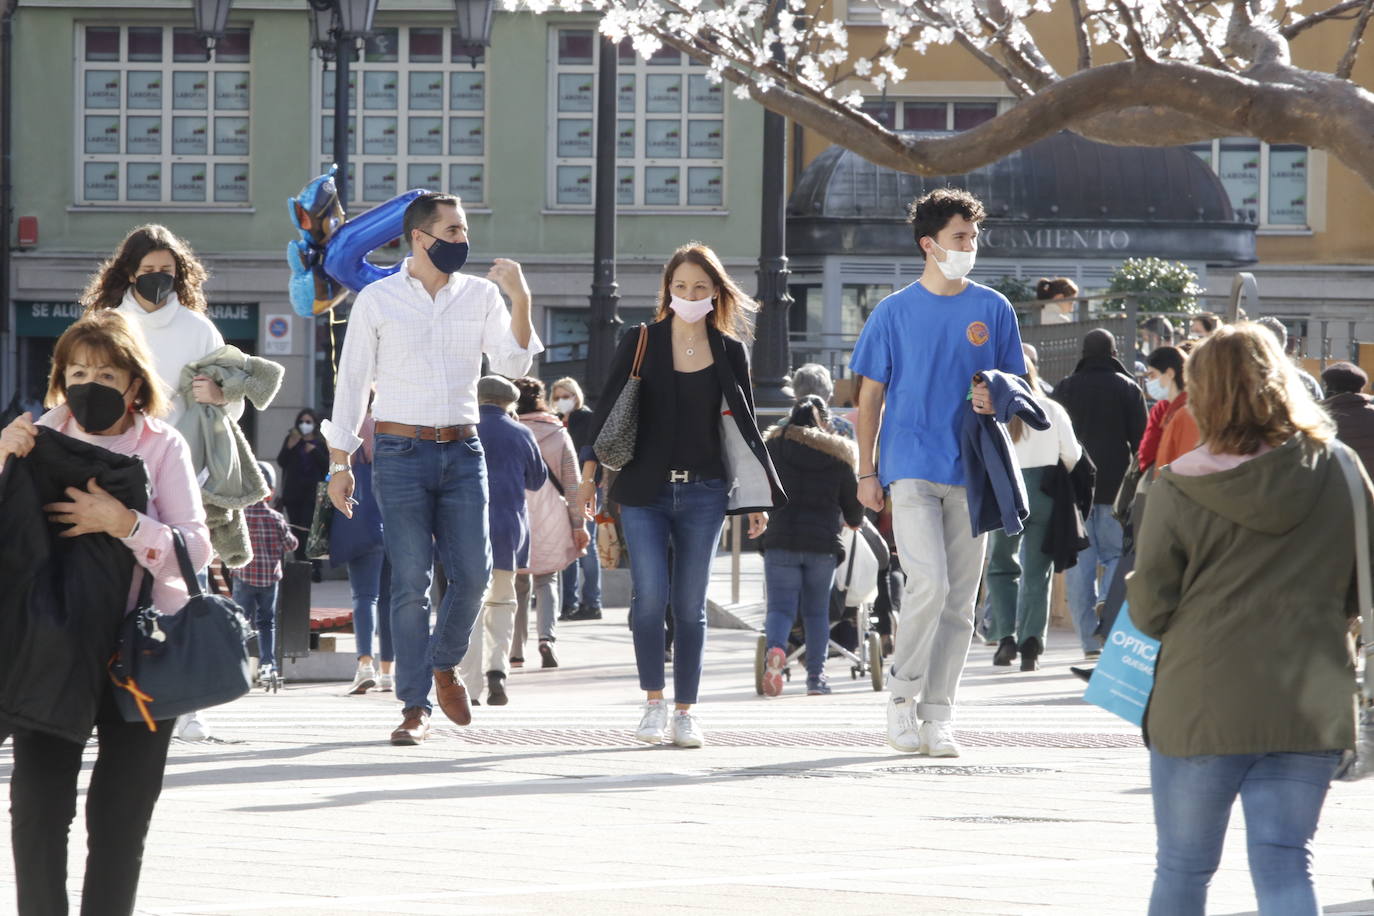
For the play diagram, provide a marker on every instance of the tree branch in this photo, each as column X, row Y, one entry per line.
column 1256, row 43
column 1302, row 25
column 1134, row 39
column 1080, row 25
column 1347, row 64
column 1209, row 54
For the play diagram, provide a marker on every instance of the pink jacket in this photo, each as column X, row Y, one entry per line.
column 173, row 500
column 552, row 516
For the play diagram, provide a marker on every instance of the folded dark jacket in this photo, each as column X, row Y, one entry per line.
column 996, row 492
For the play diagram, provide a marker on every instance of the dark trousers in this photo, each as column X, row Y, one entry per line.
column 125, row 785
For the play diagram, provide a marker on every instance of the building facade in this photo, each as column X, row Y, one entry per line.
column 121, row 120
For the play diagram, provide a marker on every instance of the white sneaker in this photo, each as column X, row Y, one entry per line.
column 654, row 722
column 363, row 681
column 384, row 682
column 686, row 731
column 901, row 726
column 937, row 739
column 191, row 727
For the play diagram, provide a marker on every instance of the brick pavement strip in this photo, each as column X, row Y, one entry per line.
column 547, row 805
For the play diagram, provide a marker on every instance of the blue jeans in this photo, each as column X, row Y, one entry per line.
column 365, row 581
column 688, row 516
column 260, row 607
column 1084, row 586
column 1281, row 794
column 590, row 564
column 798, row 581
column 432, row 494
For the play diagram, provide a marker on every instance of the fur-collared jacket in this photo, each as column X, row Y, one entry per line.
column 816, row 469
column 224, row 462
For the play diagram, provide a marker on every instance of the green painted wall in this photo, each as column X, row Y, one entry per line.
column 282, row 161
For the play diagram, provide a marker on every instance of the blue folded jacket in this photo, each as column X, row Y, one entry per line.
column 996, row 492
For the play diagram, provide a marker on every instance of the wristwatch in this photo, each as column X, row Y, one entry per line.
column 337, row 468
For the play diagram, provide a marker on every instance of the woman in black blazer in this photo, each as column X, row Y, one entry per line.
column 698, row 456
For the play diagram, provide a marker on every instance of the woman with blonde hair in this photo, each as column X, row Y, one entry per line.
column 103, row 392
column 698, row 456
column 1245, row 571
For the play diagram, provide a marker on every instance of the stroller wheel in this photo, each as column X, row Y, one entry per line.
column 760, row 654
column 875, row 660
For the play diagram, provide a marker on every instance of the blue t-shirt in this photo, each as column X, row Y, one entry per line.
column 926, row 348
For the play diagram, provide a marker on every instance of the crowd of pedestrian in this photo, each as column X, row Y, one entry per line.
column 1202, row 483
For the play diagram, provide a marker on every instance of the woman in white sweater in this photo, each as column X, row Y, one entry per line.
column 154, row 279
column 1019, row 571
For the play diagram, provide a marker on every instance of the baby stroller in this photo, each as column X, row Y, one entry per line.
column 856, row 587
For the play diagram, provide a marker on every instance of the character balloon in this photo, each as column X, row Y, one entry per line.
column 330, row 258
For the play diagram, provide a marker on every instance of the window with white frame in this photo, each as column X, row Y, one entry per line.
column 157, row 122
column 423, row 111
column 1267, row 183
column 670, row 133
column 929, row 114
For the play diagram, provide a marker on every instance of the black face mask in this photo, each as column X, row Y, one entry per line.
column 447, row 257
column 155, row 287
column 94, row 406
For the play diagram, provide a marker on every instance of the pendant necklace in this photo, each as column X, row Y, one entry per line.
column 690, row 351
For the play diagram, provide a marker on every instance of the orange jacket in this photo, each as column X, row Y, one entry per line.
column 1180, row 434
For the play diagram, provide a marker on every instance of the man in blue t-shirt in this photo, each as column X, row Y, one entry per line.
column 917, row 356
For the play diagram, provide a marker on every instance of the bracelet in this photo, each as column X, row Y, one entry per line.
column 138, row 523
column 866, row 476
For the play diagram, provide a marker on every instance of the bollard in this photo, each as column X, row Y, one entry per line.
column 734, row 559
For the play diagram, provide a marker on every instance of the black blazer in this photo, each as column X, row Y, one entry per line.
column 754, row 484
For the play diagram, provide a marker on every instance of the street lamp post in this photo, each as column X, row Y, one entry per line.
column 211, row 19
column 603, row 321
column 472, row 25
column 772, row 354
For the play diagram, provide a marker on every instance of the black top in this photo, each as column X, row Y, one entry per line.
column 1108, row 414
column 696, row 434
column 579, row 422
column 640, row 482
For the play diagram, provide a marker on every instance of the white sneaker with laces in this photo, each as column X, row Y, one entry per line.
column 901, row 726
column 191, row 727
column 686, row 730
column 937, row 739
column 653, row 723
column 364, row 680
column 384, row 682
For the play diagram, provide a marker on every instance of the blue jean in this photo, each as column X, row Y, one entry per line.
column 369, row 613
column 1281, row 794
column 688, row 516
column 590, row 564
column 260, row 607
column 432, row 495
column 799, row 581
column 1084, row 586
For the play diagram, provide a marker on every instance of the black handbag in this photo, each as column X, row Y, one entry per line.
column 170, row 664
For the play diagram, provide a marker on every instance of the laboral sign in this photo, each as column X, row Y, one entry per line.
column 40, row 318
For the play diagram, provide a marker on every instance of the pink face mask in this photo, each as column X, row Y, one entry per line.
column 691, row 310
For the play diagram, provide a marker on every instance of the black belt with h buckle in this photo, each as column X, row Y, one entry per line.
column 685, row 476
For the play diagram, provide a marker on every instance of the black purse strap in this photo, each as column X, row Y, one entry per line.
column 145, row 590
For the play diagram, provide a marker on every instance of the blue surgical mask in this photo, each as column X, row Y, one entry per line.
column 1156, row 389
column 447, row 257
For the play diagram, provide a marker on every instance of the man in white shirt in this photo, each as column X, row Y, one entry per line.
column 419, row 335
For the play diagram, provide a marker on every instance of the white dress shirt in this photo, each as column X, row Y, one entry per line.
column 1040, row 448
column 424, row 353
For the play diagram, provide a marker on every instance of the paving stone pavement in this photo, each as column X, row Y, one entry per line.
column 794, row 806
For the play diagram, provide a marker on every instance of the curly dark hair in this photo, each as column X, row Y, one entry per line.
column 531, row 395
column 932, row 211
column 107, row 286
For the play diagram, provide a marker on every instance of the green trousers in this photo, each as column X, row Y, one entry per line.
column 1019, row 572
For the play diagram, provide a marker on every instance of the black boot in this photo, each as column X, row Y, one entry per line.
column 1083, row 674
column 1030, row 654
column 1006, row 652
column 496, row 689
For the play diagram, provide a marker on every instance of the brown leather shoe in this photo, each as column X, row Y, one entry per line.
column 414, row 730
column 453, row 696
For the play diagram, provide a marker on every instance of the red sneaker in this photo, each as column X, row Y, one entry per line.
column 773, row 664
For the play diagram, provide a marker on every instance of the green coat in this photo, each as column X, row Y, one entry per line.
column 1247, row 576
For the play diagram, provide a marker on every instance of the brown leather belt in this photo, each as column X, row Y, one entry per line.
column 427, row 433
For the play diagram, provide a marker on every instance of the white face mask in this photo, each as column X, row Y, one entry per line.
column 691, row 310
column 956, row 264
column 306, row 427
column 1156, row 389
column 565, row 406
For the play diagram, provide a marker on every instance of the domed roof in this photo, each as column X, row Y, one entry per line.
column 1061, row 181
